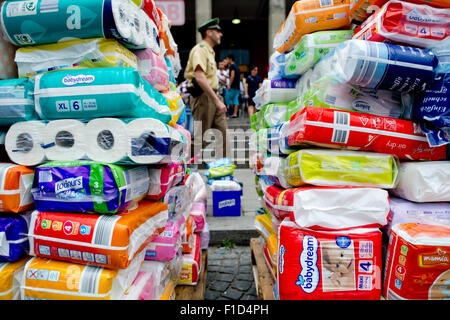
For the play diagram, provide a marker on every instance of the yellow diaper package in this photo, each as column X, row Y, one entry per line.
column 323, row 167
column 263, row 225
column 73, row 54
column 308, row 16
column 10, row 276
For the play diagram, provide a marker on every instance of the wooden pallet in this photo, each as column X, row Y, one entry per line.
column 263, row 279
column 197, row 292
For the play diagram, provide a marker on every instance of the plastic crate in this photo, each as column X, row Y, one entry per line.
column 226, row 203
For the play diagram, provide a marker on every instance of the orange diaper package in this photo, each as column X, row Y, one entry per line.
column 307, row 16
column 418, row 263
column 10, row 274
column 15, row 188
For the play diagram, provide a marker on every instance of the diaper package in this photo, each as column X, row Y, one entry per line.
column 163, row 178
column 326, row 167
column 153, row 68
column 178, row 200
column 277, row 142
column 100, row 240
column 312, row 47
column 263, row 225
column 11, row 274
column 198, row 214
column 15, row 188
column 59, row 280
column 424, row 181
column 88, row 187
column 73, row 54
column 98, row 92
column 407, row 23
column 269, row 262
column 192, row 263
column 307, row 16
column 16, row 101
column 13, row 237
column 176, row 105
column 270, row 255
column 417, row 266
column 273, row 169
column 361, row 9
column 345, row 207
column 165, row 245
column 277, row 91
column 360, row 131
column 433, row 3
column 333, row 265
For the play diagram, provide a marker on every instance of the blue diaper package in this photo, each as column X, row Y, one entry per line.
column 16, row 101
column 13, row 237
column 98, row 92
column 277, row 140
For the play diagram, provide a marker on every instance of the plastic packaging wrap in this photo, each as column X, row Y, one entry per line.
column 273, row 169
column 361, row 9
column 311, row 48
column 352, row 130
column 424, row 181
column 73, row 54
column 263, row 225
column 11, row 273
column 334, row 265
column 100, row 240
column 16, row 101
column 192, row 263
column 164, row 178
column 418, row 266
column 153, row 68
column 407, row 23
column 13, row 237
column 277, row 91
column 277, row 142
column 15, row 188
column 59, row 280
column 177, row 199
column 89, row 187
column 324, row 167
column 307, row 16
column 98, row 92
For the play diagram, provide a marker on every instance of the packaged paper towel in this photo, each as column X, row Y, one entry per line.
column 98, row 92
column 87, row 186
column 427, row 181
column 16, row 101
column 73, row 54
column 11, row 274
column 15, row 188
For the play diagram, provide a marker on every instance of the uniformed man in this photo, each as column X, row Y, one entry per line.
column 208, row 107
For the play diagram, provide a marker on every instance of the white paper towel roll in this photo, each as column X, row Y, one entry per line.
column 23, row 143
column 65, row 140
column 107, row 140
column 151, row 39
column 121, row 11
column 147, row 138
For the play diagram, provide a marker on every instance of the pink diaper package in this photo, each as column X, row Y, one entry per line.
column 165, row 246
column 153, row 68
column 198, row 212
column 163, row 178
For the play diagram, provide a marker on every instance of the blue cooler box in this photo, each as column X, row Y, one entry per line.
column 226, row 203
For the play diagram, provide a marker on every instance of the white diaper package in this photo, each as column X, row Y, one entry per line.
column 424, row 181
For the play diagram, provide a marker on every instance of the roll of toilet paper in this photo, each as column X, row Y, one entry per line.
column 24, row 141
column 149, row 140
column 137, row 26
column 107, row 140
column 151, row 39
column 64, row 140
column 178, row 144
column 121, row 14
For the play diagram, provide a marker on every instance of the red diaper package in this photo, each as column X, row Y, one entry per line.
column 321, row 265
column 433, row 3
column 406, row 23
column 151, row 10
column 339, row 129
column 192, row 263
column 418, row 263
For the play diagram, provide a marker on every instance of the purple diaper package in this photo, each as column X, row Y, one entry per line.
column 13, row 237
column 88, row 186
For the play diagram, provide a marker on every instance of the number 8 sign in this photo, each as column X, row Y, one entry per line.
column 174, row 10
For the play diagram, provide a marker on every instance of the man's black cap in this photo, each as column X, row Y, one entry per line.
column 209, row 25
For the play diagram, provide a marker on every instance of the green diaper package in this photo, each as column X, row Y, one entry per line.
column 16, row 101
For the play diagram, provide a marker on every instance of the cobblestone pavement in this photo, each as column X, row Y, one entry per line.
column 230, row 275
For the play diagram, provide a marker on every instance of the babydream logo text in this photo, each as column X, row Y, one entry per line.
column 309, row 275
column 70, row 80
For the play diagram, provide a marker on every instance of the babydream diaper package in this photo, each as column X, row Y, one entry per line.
column 73, row 54
column 163, row 178
column 327, row 167
column 424, row 181
column 11, row 274
column 13, row 237
column 102, row 240
column 15, row 187
column 307, row 16
column 88, row 187
column 333, row 265
column 359, row 131
column 418, row 266
column 407, row 23
column 98, row 92
column 59, row 280
column 16, row 101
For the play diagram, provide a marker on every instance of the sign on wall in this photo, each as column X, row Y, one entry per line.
column 174, row 10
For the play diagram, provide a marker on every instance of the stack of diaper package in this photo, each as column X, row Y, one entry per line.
column 350, row 151
column 94, row 151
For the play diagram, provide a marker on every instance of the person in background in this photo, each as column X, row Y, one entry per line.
column 254, row 83
column 232, row 95
column 243, row 97
column 207, row 106
column 223, row 78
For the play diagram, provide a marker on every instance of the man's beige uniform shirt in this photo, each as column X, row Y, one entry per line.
column 204, row 56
